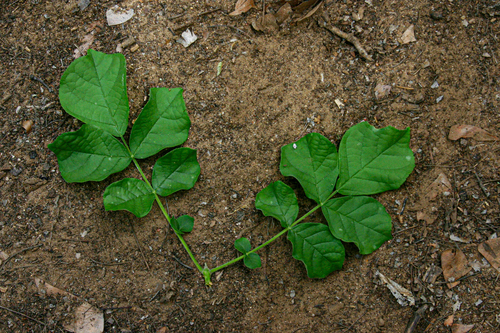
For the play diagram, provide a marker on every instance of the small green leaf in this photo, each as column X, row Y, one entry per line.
column 361, row 220
column 163, row 123
column 374, row 160
column 129, row 194
column 313, row 162
column 314, row 245
column 279, row 201
column 243, row 245
column 177, row 170
column 93, row 89
column 252, row 261
column 89, row 154
column 183, row 224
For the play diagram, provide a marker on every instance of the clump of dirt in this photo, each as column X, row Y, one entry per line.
column 272, row 88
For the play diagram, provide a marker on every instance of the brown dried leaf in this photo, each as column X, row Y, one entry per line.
column 409, row 35
column 454, row 265
column 49, row 290
column 469, row 131
column 491, row 251
column 439, row 186
column 304, row 6
column 459, row 328
column 317, row 5
column 27, row 125
column 243, row 6
column 283, row 13
column 88, row 319
column 449, row 321
column 267, row 23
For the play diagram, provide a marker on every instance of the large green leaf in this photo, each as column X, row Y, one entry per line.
column 89, row 154
column 163, row 123
column 361, row 220
column 177, row 170
column 129, row 194
column 279, row 201
column 374, row 160
column 313, row 162
column 93, row 89
column 314, row 245
column 183, row 224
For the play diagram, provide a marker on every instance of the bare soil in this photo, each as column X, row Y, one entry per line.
column 273, row 88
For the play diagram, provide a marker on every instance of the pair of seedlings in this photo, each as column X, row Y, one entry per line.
column 368, row 161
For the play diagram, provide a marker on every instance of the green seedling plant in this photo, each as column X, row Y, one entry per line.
column 368, row 161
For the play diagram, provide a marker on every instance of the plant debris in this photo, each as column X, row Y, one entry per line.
column 454, row 265
column 242, row 6
column 470, row 131
column 491, row 251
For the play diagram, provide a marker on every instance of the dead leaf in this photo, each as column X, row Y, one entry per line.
column 242, row 6
column 439, row 186
column 469, row 131
column 382, row 90
column 267, row 23
column 409, row 35
column 459, row 328
column 454, row 265
column 423, row 216
column 49, row 290
column 317, row 5
column 283, row 13
column 162, row 330
column 491, row 251
column 304, row 6
column 116, row 15
column 449, row 321
column 27, row 125
column 81, row 50
column 403, row 295
column 88, row 319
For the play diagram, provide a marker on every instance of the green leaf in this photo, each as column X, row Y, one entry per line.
column 374, row 160
column 279, row 201
column 361, row 220
column 183, row 224
column 129, row 194
column 163, row 123
column 89, row 154
column 243, row 245
column 93, row 89
column 252, row 261
column 313, row 162
column 177, row 170
column 314, row 245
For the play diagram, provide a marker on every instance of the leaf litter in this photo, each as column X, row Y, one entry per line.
column 491, row 251
column 470, row 131
column 242, row 6
column 454, row 265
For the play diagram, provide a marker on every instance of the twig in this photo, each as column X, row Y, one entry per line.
column 107, row 264
column 37, row 79
column 139, row 245
column 481, row 185
column 18, row 253
column 415, row 319
column 23, row 315
column 180, row 262
column 350, row 327
column 350, row 38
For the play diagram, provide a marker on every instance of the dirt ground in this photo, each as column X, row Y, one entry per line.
column 274, row 87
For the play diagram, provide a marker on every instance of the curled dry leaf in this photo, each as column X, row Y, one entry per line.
column 449, row 321
column 491, row 251
column 49, row 290
column 267, row 23
column 317, row 5
column 439, row 186
column 284, row 13
column 87, row 319
column 454, row 265
column 27, row 125
column 403, row 295
column 242, row 6
column 409, row 35
column 459, row 328
column 469, row 131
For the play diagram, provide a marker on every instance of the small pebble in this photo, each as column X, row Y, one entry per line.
column 436, row 15
column 381, row 322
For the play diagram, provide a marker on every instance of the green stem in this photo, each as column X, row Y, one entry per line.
column 162, row 208
column 284, row 231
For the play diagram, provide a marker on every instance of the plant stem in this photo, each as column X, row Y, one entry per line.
column 162, row 208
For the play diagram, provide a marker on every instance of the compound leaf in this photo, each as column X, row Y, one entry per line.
column 361, row 220
column 89, row 154
column 243, row 245
column 252, row 261
column 93, row 89
column 279, row 201
column 313, row 162
column 374, row 160
column 183, row 224
column 314, row 245
column 177, row 170
column 163, row 123
column 129, row 194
